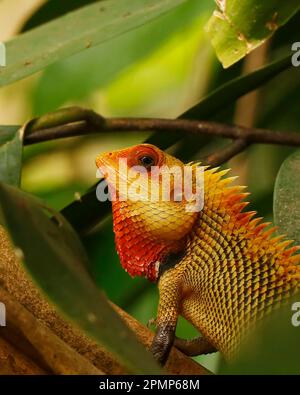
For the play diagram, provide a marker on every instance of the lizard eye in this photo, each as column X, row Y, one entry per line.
column 147, row 161
column 144, row 155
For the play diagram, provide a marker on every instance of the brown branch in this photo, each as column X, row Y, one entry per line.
column 34, row 317
column 226, row 153
column 60, row 357
column 75, row 121
column 13, row 361
column 177, row 363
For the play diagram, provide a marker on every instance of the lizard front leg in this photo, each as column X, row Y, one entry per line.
column 193, row 347
column 168, row 311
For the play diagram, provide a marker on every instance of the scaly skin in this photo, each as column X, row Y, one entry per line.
column 218, row 268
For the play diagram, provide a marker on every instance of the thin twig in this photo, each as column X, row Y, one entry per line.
column 77, row 122
column 226, row 153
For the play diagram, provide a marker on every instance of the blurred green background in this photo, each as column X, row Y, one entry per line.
column 158, row 70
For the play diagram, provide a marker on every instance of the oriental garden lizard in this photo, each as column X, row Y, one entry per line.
column 219, row 268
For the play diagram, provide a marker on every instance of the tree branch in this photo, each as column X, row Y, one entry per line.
column 51, row 339
column 55, row 353
column 226, row 153
column 13, row 361
column 75, row 121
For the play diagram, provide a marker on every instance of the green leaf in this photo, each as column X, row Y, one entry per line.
column 287, row 198
column 131, row 48
column 77, row 31
column 281, row 111
column 85, row 213
column 273, row 347
column 236, row 88
column 52, row 10
column 10, row 154
column 46, row 237
column 238, row 27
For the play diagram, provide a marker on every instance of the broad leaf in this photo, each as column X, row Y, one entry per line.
column 53, row 9
column 77, row 31
column 238, row 27
column 287, row 198
column 85, row 213
column 100, row 65
column 10, row 154
column 56, row 260
column 236, row 88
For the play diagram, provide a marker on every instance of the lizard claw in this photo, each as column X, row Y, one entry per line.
column 151, row 322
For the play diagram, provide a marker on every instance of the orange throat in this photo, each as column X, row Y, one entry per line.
column 140, row 254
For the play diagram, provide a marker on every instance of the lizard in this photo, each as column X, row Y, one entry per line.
column 221, row 268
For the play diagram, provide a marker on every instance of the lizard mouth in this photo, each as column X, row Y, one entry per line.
column 105, row 164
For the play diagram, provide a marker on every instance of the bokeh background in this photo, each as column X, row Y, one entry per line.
column 158, row 70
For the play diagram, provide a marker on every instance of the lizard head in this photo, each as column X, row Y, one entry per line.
column 150, row 214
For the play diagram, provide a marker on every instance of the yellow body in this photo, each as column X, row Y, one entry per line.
column 233, row 273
